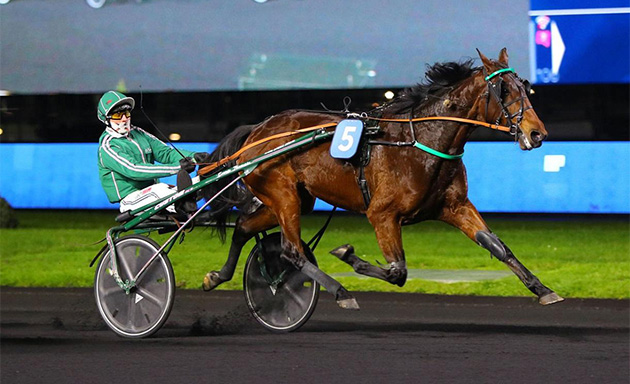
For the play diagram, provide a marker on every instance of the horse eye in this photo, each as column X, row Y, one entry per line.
column 504, row 92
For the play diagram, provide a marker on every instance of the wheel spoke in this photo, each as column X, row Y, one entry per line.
column 131, row 321
column 297, row 296
column 111, row 291
column 123, row 263
column 153, row 273
column 148, row 295
column 257, row 279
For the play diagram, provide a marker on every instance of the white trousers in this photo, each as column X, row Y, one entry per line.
column 148, row 195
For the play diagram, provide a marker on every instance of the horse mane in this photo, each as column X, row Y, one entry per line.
column 439, row 78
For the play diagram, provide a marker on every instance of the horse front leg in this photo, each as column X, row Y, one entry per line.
column 466, row 218
column 246, row 228
column 389, row 238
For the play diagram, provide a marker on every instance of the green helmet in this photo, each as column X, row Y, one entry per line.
column 109, row 101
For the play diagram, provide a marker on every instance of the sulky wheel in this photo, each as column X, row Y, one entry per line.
column 143, row 310
column 280, row 297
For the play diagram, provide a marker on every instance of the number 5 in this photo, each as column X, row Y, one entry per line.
column 347, row 138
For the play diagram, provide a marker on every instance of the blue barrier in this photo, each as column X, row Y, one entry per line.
column 559, row 177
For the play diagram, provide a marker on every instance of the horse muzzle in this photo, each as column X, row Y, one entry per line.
column 531, row 132
column 531, row 140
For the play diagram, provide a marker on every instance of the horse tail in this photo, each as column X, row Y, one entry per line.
column 235, row 196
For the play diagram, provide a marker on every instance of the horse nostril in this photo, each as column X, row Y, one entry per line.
column 537, row 137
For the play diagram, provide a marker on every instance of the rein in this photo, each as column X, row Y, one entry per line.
column 446, row 118
column 425, row 148
column 209, row 168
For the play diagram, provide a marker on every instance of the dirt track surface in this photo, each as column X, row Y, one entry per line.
column 57, row 336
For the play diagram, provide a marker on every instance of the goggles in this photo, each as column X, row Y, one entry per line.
column 119, row 115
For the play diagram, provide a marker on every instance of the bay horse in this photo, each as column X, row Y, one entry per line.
column 405, row 184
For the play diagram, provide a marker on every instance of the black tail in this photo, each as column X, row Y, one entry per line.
column 235, row 196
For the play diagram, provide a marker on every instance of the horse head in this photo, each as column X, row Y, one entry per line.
column 507, row 102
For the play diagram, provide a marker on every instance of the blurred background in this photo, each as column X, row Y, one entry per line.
column 202, row 68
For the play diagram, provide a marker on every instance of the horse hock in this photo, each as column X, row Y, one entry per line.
column 396, row 273
column 498, row 249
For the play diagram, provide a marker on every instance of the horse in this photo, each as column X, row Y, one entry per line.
column 403, row 183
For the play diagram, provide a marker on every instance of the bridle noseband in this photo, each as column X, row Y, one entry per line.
column 496, row 88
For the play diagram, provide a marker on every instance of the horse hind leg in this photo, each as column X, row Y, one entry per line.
column 344, row 299
column 289, row 220
column 389, row 237
column 292, row 254
column 395, row 274
column 246, row 227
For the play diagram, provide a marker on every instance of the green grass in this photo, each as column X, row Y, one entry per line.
column 576, row 258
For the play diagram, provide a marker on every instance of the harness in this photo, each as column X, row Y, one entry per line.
column 495, row 89
column 365, row 151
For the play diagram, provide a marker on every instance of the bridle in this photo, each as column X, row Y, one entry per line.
column 495, row 90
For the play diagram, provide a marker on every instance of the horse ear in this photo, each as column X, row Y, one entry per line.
column 486, row 62
column 503, row 57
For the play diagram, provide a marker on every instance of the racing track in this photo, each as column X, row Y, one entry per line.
column 56, row 336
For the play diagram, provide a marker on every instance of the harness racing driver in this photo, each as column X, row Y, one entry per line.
column 127, row 157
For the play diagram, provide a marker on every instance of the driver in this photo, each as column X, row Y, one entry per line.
column 127, row 156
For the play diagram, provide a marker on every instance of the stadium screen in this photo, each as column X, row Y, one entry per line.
column 67, row 46
column 580, row 41
column 88, row 46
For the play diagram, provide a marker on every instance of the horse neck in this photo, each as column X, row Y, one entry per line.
column 445, row 136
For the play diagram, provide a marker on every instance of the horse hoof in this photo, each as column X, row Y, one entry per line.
column 550, row 298
column 345, row 300
column 350, row 304
column 211, row 280
column 343, row 252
